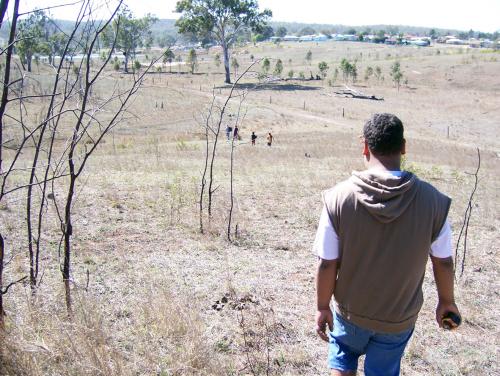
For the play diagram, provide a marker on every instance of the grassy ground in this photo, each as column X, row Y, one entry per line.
column 162, row 299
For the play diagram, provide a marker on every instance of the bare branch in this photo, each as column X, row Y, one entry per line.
column 6, row 289
column 465, row 224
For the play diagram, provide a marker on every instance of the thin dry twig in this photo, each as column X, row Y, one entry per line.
column 464, row 231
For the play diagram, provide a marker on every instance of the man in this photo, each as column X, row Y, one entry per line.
column 375, row 235
column 269, row 139
column 229, row 130
column 254, row 137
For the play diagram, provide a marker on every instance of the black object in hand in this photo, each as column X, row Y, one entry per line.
column 449, row 319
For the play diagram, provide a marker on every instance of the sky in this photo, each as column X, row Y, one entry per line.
column 479, row 15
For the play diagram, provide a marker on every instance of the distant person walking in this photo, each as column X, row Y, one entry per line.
column 254, row 137
column 236, row 133
column 229, row 130
column 269, row 139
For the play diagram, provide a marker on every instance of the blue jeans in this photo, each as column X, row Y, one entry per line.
column 383, row 351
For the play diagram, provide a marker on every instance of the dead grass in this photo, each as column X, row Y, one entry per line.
column 154, row 279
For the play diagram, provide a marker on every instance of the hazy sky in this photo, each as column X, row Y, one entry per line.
column 483, row 15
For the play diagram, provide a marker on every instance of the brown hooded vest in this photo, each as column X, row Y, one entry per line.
column 385, row 225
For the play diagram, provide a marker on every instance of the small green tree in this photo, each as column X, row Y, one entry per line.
column 323, row 68
column 192, row 60
column 368, row 73
column 354, row 73
column 217, row 60
column 334, row 77
column 30, row 32
column 290, row 73
column 309, row 55
column 378, row 73
column 281, row 31
column 55, row 46
column 131, row 33
column 346, row 68
column 235, row 65
column 168, row 57
column 266, row 65
column 278, row 68
column 396, row 74
column 137, row 65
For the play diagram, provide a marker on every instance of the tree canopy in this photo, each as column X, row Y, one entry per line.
column 129, row 33
column 222, row 20
column 30, row 33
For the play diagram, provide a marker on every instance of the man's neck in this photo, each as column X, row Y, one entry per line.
column 383, row 163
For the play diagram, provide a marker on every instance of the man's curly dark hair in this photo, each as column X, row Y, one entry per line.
column 384, row 134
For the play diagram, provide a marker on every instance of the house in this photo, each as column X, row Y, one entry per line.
column 337, row 37
column 320, row 38
column 351, row 37
column 290, row 38
column 421, row 42
column 306, row 38
column 455, row 41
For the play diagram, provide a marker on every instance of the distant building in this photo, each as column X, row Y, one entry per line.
column 455, row 41
column 337, row 37
column 351, row 37
column 306, row 38
column 290, row 38
column 487, row 43
column 421, row 42
column 320, row 38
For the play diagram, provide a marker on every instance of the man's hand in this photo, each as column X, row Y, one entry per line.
column 325, row 286
column 443, row 275
column 441, row 311
column 324, row 317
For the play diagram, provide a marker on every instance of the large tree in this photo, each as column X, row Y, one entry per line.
column 221, row 19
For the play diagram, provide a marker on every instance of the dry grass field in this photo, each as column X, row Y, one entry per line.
column 163, row 299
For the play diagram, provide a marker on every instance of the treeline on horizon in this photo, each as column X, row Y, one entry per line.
column 164, row 30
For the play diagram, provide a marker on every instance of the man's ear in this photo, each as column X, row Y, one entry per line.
column 366, row 149
column 403, row 147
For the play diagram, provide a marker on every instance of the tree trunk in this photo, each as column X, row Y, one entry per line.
column 2, row 313
column 126, row 62
column 68, row 231
column 226, row 63
column 231, row 192
column 204, row 177
column 28, row 63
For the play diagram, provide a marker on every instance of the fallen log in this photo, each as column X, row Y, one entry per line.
column 351, row 93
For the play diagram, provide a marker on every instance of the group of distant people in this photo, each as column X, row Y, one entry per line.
column 235, row 134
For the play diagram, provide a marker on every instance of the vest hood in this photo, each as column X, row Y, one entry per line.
column 384, row 195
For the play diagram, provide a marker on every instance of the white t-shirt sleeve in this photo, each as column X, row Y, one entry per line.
column 326, row 244
column 441, row 247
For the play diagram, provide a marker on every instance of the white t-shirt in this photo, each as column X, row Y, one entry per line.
column 326, row 244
